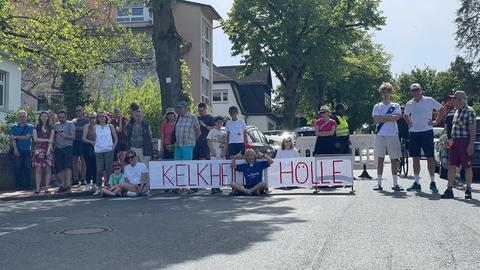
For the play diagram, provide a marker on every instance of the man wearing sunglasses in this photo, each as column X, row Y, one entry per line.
column 78, row 162
column 418, row 115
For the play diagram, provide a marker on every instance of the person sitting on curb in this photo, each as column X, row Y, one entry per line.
column 136, row 176
column 114, row 182
column 252, row 172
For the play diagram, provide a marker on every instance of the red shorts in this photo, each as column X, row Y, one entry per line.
column 457, row 154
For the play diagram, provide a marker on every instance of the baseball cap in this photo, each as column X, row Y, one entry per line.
column 324, row 108
column 170, row 110
column 415, row 86
column 181, row 104
column 218, row 118
column 116, row 110
column 233, row 109
column 460, row 95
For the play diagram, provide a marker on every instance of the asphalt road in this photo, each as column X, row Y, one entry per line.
column 287, row 230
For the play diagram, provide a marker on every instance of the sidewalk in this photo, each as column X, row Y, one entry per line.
column 12, row 195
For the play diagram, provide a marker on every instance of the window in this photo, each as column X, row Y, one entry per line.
column 205, row 44
column 137, row 13
column 205, row 90
column 42, row 104
column 268, row 101
column 3, row 89
column 220, row 96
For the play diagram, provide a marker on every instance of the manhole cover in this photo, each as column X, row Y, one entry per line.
column 84, row 231
column 127, row 214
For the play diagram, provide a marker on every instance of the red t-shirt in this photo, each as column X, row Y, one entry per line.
column 167, row 130
column 327, row 127
column 116, row 123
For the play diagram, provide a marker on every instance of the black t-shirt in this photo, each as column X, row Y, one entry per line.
column 449, row 123
column 402, row 128
column 209, row 121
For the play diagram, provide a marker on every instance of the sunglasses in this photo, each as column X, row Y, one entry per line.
column 102, row 116
column 323, row 112
column 78, row 110
column 116, row 168
column 414, row 90
column 232, row 112
column 130, row 157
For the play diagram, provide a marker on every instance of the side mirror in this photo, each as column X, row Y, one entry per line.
column 271, row 141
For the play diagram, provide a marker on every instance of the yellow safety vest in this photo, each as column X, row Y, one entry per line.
column 342, row 128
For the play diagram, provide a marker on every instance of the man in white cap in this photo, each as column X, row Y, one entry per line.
column 418, row 114
column 461, row 150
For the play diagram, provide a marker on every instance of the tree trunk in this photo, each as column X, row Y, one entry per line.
column 291, row 100
column 319, row 82
column 166, row 42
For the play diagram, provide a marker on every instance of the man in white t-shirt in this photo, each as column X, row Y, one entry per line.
column 385, row 114
column 418, row 115
column 136, row 176
column 236, row 133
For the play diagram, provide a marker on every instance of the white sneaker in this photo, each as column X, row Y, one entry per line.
column 131, row 194
column 86, row 188
column 97, row 192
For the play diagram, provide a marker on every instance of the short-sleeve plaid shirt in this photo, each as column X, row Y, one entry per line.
column 461, row 120
column 185, row 130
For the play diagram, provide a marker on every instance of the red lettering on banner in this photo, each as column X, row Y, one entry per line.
column 311, row 172
column 190, row 184
column 335, row 172
column 296, row 172
column 222, row 172
column 321, row 181
column 216, row 175
column 165, row 176
column 286, row 172
column 199, row 175
column 177, row 175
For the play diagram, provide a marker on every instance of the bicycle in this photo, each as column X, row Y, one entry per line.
column 403, row 160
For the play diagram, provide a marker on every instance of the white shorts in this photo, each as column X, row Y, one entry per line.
column 387, row 145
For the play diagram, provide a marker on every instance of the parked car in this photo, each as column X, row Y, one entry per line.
column 307, row 131
column 277, row 137
column 441, row 155
column 258, row 142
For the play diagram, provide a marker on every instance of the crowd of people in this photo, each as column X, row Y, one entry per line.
column 415, row 123
column 112, row 153
column 109, row 154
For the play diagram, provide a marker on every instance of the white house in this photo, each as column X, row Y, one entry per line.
column 10, row 86
column 251, row 94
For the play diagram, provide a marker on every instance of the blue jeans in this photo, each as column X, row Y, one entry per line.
column 183, row 153
column 23, row 169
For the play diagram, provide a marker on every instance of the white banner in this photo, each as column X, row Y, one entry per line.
column 303, row 171
column 311, row 171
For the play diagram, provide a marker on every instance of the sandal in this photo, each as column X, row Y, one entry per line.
column 36, row 192
column 46, row 192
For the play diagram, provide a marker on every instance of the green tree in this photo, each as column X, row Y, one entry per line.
column 71, row 35
column 122, row 93
column 73, row 91
column 292, row 35
column 468, row 28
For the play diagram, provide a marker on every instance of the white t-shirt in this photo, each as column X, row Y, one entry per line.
column 103, row 139
column 235, row 129
column 421, row 113
column 217, row 138
column 134, row 174
column 389, row 128
column 291, row 153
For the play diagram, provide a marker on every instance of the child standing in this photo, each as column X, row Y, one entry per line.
column 217, row 139
column 252, row 172
column 236, row 133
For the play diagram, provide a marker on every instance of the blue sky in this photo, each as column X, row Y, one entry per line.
column 418, row 33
